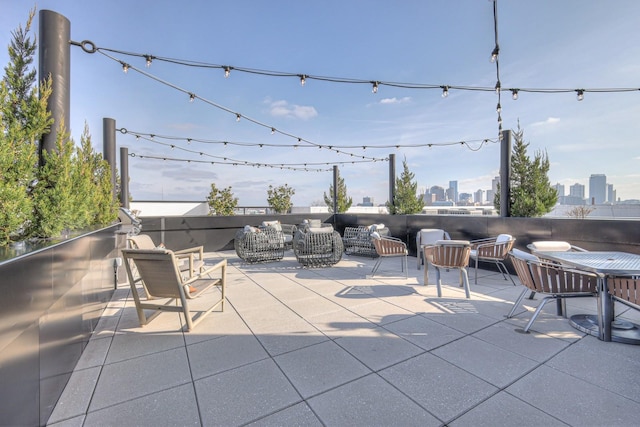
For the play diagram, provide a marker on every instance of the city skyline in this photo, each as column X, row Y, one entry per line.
column 560, row 45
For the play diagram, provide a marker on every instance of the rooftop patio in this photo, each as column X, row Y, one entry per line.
column 329, row 346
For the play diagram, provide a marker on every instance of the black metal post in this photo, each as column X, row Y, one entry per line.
column 109, row 149
column 124, row 177
column 392, row 178
column 335, row 189
column 54, row 59
column 505, row 173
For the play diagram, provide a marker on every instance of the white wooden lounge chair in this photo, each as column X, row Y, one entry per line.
column 163, row 287
column 190, row 259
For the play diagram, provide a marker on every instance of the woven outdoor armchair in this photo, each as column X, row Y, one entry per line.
column 317, row 246
column 357, row 240
column 259, row 245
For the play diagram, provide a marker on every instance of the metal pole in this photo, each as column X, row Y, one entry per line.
column 124, row 177
column 335, row 189
column 54, row 55
column 109, row 149
column 392, row 178
column 505, row 174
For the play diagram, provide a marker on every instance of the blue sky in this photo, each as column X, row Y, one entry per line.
column 568, row 44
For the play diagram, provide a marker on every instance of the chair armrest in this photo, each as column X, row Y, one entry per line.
column 196, row 249
column 219, row 265
column 482, row 242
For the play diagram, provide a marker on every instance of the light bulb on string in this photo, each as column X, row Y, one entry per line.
column 514, row 94
column 149, row 58
column 375, row 87
column 445, row 91
column 494, row 54
column 125, row 67
column 303, row 79
column 498, row 87
column 498, row 108
column 273, row 130
column 227, row 71
column 580, row 94
column 192, row 96
column 238, row 117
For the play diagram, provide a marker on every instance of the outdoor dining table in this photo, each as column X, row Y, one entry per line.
column 605, row 264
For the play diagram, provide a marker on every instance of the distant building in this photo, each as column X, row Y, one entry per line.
column 437, row 193
column 611, row 194
column 559, row 189
column 597, row 189
column 366, row 201
column 477, row 197
column 576, row 190
column 452, row 191
column 465, row 199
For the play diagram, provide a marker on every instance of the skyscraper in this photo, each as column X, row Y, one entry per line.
column 577, row 190
column 597, row 189
column 611, row 194
column 453, row 186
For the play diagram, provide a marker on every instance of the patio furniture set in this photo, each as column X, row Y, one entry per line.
column 557, row 270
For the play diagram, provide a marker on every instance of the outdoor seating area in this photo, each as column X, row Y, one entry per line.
column 330, row 346
column 357, row 240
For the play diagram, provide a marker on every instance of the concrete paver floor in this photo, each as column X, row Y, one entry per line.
column 332, row 346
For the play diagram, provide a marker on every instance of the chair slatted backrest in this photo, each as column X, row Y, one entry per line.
column 523, row 270
column 389, row 247
column 450, row 253
column 499, row 249
column 158, row 271
column 625, row 289
column 428, row 236
column 142, row 241
column 554, row 279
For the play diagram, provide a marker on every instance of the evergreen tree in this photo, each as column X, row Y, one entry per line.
column 406, row 201
column 344, row 202
column 23, row 120
column 93, row 199
column 53, row 195
column 221, row 201
column 531, row 192
column 279, row 198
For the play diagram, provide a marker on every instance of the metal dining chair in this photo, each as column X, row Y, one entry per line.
column 555, row 281
column 449, row 254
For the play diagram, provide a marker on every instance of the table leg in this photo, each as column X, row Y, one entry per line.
column 606, row 310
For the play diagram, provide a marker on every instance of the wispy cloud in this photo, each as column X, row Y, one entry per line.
column 549, row 122
column 395, row 100
column 283, row 109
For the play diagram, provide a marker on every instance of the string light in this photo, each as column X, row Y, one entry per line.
column 227, row 70
column 189, row 140
column 125, row 67
column 580, row 94
column 303, row 80
column 498, row 108
column 498, row 87
column 149, row 58
column 445, row 91
column 494, row 54
column 514, row 94
column 375, row 87
column 238, row 117
column 192, row 96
